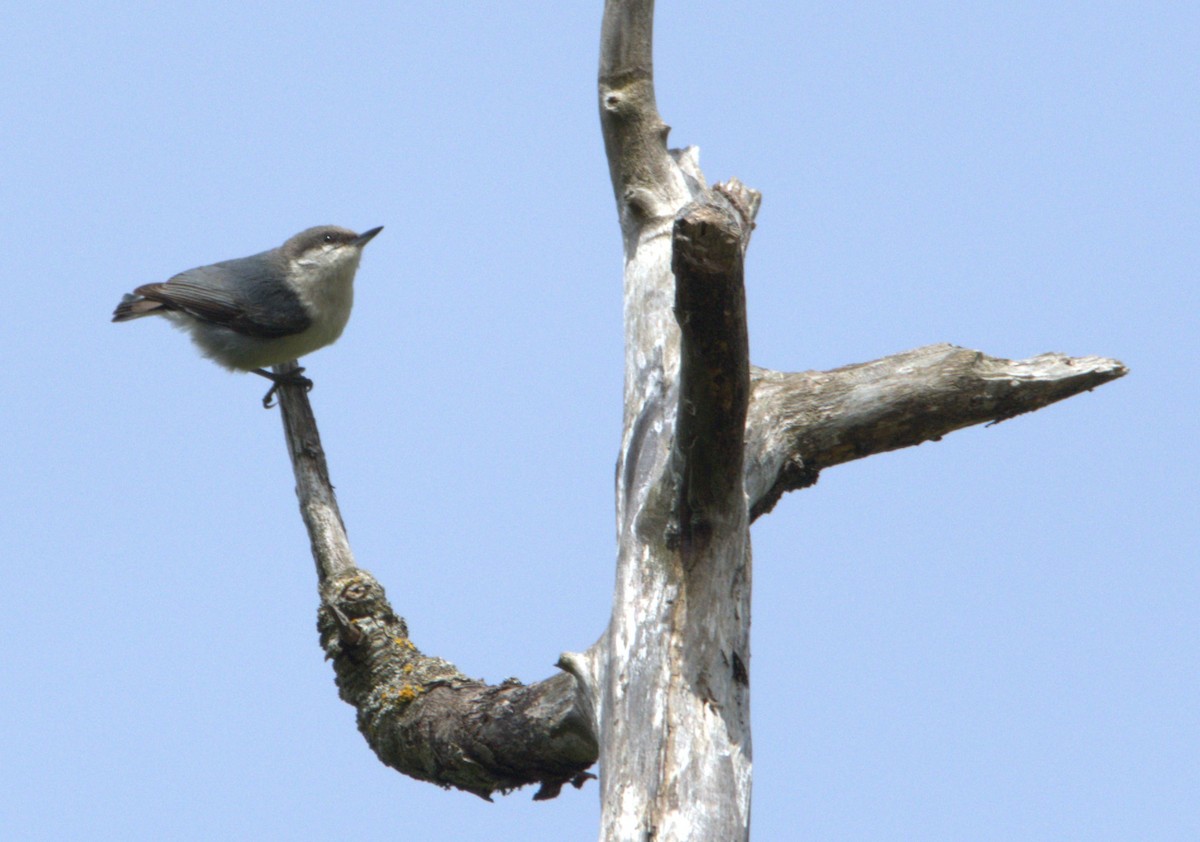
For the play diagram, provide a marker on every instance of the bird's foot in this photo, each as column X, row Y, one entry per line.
column 292, row 378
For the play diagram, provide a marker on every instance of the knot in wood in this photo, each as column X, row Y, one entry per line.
column 357, row 595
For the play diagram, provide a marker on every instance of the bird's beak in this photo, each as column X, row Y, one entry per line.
column 366, row 236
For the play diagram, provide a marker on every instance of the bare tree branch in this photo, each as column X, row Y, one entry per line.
column 424, row 718
column 646, row 182
column 803, row 422
column 318, row 506
column 707, row 442
column 418, row 713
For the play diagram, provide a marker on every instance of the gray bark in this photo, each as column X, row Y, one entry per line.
column 419, row 714
column 709, row 443
column 800, row 423
column 670, row 676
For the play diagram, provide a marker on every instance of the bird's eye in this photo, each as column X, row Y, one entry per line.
column 328, row 238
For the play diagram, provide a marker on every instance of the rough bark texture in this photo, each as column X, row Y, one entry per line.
column 708, row 247
column 670, row 675
column 424, row 718
column 708, row 442
column 418, row 713
column 804, row 422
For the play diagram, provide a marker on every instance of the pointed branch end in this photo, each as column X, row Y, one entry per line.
column 1020, row 386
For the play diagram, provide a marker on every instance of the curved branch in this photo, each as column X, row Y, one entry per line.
column 646, row 182
column 418, row 713
column 800, row 423
column 426, row 719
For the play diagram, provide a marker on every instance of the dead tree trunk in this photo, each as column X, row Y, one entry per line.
column 709, row 443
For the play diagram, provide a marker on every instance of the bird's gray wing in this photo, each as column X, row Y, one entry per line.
column 204, row 294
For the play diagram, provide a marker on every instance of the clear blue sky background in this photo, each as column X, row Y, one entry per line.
column 989, row 638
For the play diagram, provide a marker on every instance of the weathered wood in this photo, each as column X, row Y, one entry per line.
column 670, row 677
column 418, row 713
column 426, row 719
column 803, row 422
column 318, row 505
column 670, row 673
column 708, row 261
column 707, row 443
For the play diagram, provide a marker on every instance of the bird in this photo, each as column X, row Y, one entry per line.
column 252, row 312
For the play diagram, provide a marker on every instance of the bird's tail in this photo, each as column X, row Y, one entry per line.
column 134, row 307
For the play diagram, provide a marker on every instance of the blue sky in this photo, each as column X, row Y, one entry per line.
column 991, row 637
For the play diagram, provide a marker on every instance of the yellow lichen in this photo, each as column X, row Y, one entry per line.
column 395, row 696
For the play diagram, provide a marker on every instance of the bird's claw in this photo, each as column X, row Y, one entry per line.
column 291, row 378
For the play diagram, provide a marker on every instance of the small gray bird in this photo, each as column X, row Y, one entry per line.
column 262, row 310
